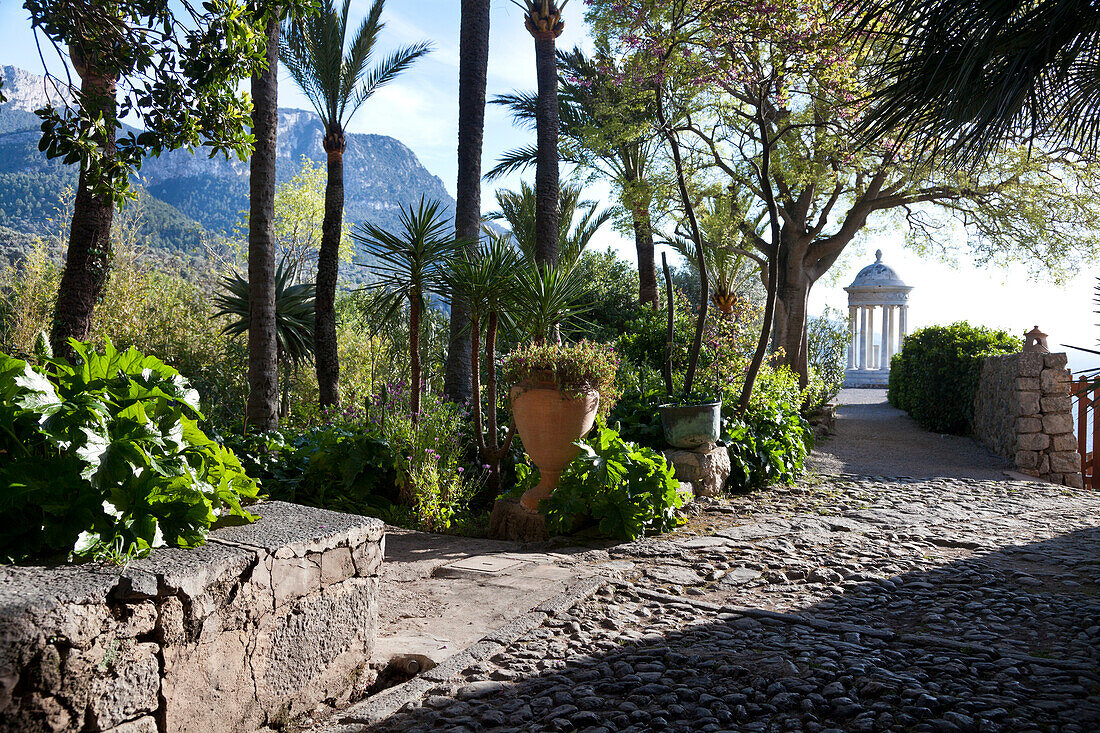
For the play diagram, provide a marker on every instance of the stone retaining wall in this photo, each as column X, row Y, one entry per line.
column 1023, row 411
column 262, row 623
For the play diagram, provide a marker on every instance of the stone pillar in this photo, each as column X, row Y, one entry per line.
column 852, row 344
column 893, row 335
column 904, row 329
column 883, row 358
column 862, row 337
column 870, row 337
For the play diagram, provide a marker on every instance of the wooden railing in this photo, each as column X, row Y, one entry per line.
column 1087, row 426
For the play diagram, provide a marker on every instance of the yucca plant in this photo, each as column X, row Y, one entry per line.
column 407, row 267
column 337, row 82
column 547, row 298
column 294, row 317
column 486, row 282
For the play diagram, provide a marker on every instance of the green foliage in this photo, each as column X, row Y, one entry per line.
column 575, row 368
column 935, row 376
column 610, row 301
column 767, row 445
column 625, row 490
column 107, row 453
column 827, row 340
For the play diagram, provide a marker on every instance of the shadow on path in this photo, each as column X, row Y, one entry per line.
column 907, row 653
column 874, row 439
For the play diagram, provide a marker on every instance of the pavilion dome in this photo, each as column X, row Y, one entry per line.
column 877, row 275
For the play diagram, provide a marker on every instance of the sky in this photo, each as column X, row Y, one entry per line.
column 420, row 108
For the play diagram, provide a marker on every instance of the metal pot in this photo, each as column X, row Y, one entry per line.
column 690, row 426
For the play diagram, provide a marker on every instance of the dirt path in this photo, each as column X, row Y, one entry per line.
column 874, row 439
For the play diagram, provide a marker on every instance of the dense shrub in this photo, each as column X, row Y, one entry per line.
column 622, row 489
column 770, row 442
column 827, row 339
column 105, row 456
column 935, row 376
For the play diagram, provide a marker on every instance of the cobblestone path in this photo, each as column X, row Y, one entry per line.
column 854, row 604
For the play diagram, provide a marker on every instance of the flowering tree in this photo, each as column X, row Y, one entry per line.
column 765, row 97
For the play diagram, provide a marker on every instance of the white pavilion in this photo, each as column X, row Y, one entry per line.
column 876, row 298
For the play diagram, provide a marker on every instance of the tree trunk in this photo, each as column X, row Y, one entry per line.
column 792, row 301
column 647, row 271
column 414, row 360
column 263, row 354
column 87, row 262
column 546, row 168
column 328, row 270
column 473, row 66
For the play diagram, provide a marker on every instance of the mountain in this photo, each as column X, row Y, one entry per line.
column 191, row 193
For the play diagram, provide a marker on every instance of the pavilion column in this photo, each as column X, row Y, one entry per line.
column 862, row 337
column 870, row 340
column 884, row 342
column 904, row 328
column 892, row 310
column 852, row 343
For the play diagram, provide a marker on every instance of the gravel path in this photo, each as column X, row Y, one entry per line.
column 872, row 438
column 851, row 604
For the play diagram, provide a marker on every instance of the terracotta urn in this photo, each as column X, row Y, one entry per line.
column 549, row 422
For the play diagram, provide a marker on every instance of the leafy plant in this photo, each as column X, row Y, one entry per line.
column 623, row 489
column 935, row 376
column 107, row 453
column 827, row 340
column 767, row 444
column 576, row 368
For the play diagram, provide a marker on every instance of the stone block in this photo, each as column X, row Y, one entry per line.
column 1027, row 384
column 1032, row 441
column 1044, row 464
column 1054, row 382
column 1029, row 424
column 368, row 558
column 1027, row 459
column 1065, row 462
column 337, row 565
column 512, row 521
column 1063, row 442
column 294, row 577
column 1057, row 404
column 1027, row 403
column 125, row 687
column 1055, row 361
column 1073, row 480
column 1057, row 424
column 1029, row 364
column 706, row 468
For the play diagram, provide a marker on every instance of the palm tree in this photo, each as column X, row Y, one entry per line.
column 591, row 101
column 337, row 83
column 407, row 265
column 544, row 23
column 294, row 317
column 486, row 282
column 967, row 77
column 262, row 411
column 520, row 210
column 473, row 67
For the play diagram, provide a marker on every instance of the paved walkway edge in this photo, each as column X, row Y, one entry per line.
column 377, row 708
column 838, row 627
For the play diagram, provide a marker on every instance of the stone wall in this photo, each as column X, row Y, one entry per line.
column 1023, row 411
column 260, row 624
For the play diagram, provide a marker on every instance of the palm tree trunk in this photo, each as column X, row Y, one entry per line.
column 546, row 167
column 87, row 262
column 263, row 357
column 328, row 271
column 495, row 452
column 475, row 383
column 414, row 360
column 473, row 67
column 647, row 271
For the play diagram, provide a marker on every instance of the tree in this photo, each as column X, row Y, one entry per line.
column 972, row 78
column 606, row 129
column 407, row 270
column 293, row 317
column 337, row 82
column 770, row 105
column 262, row 410
column 174, row 68
column 520, row 211
column 544, row 23
column 473, row 68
